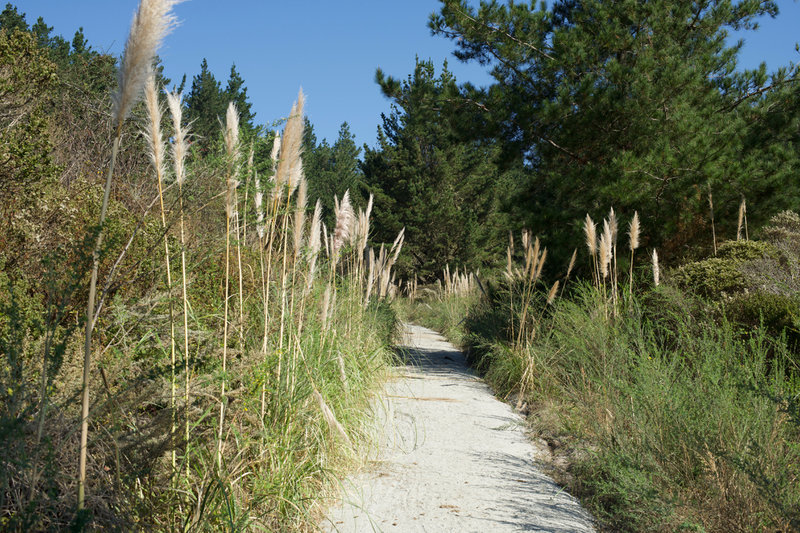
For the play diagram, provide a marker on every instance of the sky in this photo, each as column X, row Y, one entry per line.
column 330, row 48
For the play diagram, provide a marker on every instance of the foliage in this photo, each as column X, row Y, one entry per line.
column 777, row 314
column 443, row 190
column 671, row 419
column 305, row 351
column 631, row 104
column 711, row 277
column 722, row 275
column 332, row 170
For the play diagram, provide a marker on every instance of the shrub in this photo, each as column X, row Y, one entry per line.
column 741, row 251
column 724, row 275
column 776, row 314
column 711, row 278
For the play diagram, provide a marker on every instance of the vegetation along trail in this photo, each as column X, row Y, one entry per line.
column 451, row 457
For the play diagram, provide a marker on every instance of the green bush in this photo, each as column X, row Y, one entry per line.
column 741, row 251
column 675, row 409
column 711, row 277
column 722, row 276
column 775, row 313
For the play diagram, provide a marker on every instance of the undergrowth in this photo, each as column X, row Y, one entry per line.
column 226, row 375
column 671, row 414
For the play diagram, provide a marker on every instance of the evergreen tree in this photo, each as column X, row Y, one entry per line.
column 236, row 92
column 631, row 104
column 11, row 19
column 205, row 105
column 332, row 170
column 426, row 178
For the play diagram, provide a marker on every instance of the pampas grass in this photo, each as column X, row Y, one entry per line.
column 345, row 216
column 179, row 151
column 590, row 230
column 231, row 148
column 152, row 134
column 605, row 251
column 633, row 243
column 551, row 296
column 314, row 244
column 152, row 22
column 290, row 166
column 656, row 270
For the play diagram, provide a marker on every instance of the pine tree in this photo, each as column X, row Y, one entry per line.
column 236, row 92
column 11, row 19
column 442, row 189
column 332, row 170
column 205, row 105
column 631, row 104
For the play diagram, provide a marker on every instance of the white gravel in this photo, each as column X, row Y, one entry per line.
column 452, row 458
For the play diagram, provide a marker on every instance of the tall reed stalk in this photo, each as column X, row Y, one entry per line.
column 179, row 150
column 156, row 149
column 231, row 149
column 151, row 23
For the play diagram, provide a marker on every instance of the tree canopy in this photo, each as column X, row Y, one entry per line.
column 425, row 177
column 633, row 104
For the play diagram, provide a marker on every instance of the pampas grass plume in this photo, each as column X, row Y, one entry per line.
column 572, row 262
column 633, row 231
column 289, row 165
column 231, row 129
column 179, row 142
column 656, row 270
column 590, row 229
column 152, row 131
column 151, row 23
column 552, row 294
column 742, row 220
column 344, row 222
column 314, row 243
column 605, row 252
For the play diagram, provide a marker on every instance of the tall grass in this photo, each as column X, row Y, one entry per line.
column 667, row 416
column 151, row 23
column 278, row 365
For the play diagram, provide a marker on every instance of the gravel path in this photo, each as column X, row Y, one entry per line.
column 452, row 458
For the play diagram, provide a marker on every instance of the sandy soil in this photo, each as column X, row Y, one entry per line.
column 452, row 458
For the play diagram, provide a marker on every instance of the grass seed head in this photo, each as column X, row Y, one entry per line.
column 152, row 131
column 612, row 223
column 633, row 231
column 590, row 229
column 180, row 134
column 656, row 270
column 344, row 222
column 152, row 22
column 605, row 251
column 551, row 296
column 742, row 215
column 572, row 262
column 290, row 165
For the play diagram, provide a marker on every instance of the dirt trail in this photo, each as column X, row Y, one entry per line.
column 452, row 458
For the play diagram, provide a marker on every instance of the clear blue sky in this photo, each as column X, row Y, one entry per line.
column 330, row 48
